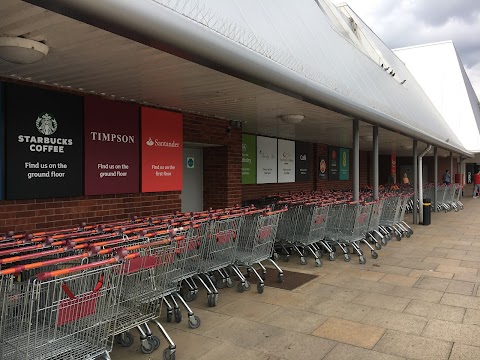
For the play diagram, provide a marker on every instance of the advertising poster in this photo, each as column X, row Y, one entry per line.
column 393, row 167
column 344, row 164
column 2, row 138
column 302, row 161
column 333, row 165
column 249, row 159
column 112, row 147
column 286, row 161
column 266, row 160
column 44, row 138
column 162, row 150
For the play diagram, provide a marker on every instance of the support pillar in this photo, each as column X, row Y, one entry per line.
column 356, row 159
column 415, row 182
column 375, row 162
column 435, row 178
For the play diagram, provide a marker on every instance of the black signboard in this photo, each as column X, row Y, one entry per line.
column 44, row 136
column 333, row 163
column 322, row 168
column 303, row 161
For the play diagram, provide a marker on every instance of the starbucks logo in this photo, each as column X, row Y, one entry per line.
column 46, row 124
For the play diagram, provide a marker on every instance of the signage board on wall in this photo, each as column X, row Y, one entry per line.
column 323, row 168
column 344, row 164
column 286, row 161
column 2, row 138
column 162, row 150
column 249, row 159
column 302, row 161
column 44, row 137
column 112, row 147
column 266, row 160
column 333, row 163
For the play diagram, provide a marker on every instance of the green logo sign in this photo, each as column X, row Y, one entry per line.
column 249, row 159
column 344, row 164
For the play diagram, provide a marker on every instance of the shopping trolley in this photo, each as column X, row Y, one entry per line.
column 255, row 244
column 392, row 207
column 63, row 314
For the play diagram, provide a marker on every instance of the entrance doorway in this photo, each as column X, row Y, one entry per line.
column 192, row 190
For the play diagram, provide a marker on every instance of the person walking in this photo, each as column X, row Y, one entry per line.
column 476, row 181
column 446, row 178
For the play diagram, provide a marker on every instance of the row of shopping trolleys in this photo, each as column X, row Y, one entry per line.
column 70, row 294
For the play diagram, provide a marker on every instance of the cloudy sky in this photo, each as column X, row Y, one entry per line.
column 402, row 23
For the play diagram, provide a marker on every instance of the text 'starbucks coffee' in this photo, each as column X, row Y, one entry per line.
column 44, row 143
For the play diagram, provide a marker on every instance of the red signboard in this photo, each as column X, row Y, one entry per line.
column 111, row 147
column 393, row 166
column 162, row 150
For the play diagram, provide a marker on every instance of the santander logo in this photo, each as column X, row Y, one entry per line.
column 156, row 142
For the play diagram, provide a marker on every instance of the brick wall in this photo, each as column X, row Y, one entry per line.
column 41, row 214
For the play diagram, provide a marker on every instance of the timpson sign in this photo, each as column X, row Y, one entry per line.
column 112, row 147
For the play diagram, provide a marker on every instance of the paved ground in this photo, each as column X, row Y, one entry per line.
column 418, row 300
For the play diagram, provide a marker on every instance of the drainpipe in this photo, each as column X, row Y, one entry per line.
column 420, row 180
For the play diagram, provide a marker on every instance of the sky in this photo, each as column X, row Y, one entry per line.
column 401, row 23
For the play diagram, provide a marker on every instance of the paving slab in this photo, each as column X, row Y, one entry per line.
column 432, row 283
column 342, row 310
column 370, row 286
column 242, row 332
column 349, row 332
column 247, row 309
column 349, row 352
column 435, row 311
column 396, row 321
column 293, row 345
column 295, row 320
column 446, row 330
column 417, row 294
column 472, row 317
column 461, row 287
column 442, row 261
column 234, row 352
column 470, row 302
column 388, row 302
column 465, row 352
column 399, row 280
column 413, row 346
column 429, row 273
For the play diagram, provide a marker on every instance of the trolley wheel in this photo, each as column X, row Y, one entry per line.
column 126, row 340
column 332, row 256
column 318, row 263
column 178, row 315
column 374, row 254
column 398, row 237
column 240, row 288
column 189, row 295
column 384, row 241
column 287, row 258
column 318, row 253
column 303, row 261
column 247, row 275
column 346, row 257
column 221, row 283
column 155, row 341
column 213, row 279
column 167, row 355
column 210, row 300
column 147, row 349
column 260, row 288
column 230, row 283
column 280, row 278
column 169, row 316
column 361, row 259
column 408, row 234
column 275, row 256
column 247, row 285
column 378, row 246
column 193, row 322
column 215, row 299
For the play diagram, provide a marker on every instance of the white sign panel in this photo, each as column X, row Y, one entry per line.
column 266, row 160
column 286, row 161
